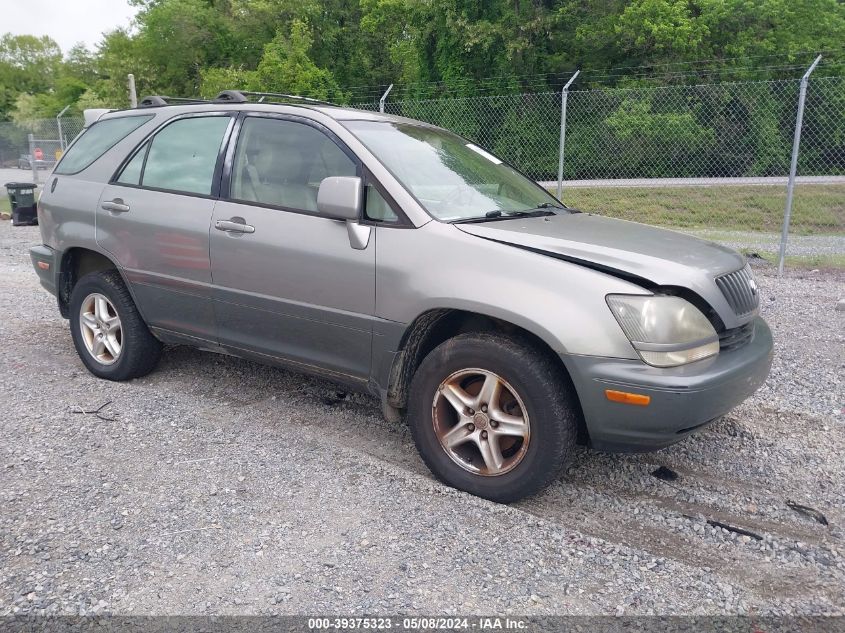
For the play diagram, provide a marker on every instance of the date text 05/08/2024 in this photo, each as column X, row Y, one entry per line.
column 418, row 623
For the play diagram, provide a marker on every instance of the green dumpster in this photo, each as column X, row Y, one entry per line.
column 22, row 199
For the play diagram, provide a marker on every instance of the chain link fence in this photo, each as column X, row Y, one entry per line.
column 710, row 159
column 38, row 143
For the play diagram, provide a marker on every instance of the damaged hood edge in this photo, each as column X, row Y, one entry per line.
column 643, row 255
column 624, row 249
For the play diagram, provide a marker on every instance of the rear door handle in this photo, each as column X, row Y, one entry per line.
column 115, row 205
column 231, row 226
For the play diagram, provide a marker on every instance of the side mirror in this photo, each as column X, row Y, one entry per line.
column 339, row 197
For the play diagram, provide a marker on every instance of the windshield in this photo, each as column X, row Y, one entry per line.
column 452, row 178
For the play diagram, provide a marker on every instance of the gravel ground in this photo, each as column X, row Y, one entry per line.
column 796, row 246
column 218, row 486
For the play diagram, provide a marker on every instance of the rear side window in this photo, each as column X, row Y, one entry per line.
column 96, row 141
column 131, row 174
column 181, row 157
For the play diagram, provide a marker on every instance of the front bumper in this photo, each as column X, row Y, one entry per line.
column 683, row 399
column 44, row 261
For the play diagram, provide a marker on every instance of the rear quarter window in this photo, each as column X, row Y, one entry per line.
column 96, row 141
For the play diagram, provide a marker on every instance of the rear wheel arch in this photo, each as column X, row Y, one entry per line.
column 434, row 327
column 76, row 262
column 109, row 334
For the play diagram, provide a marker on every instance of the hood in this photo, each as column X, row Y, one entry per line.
column 660, row 256
column 641, row 254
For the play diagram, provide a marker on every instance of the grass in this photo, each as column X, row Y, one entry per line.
column 817, row 209
column 821, row 262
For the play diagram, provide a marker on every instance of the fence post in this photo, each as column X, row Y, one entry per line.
column 133, row 96
column 793, row 166
column 564, row 95
column 384, row 98
column 59, row 125
column 32, row 158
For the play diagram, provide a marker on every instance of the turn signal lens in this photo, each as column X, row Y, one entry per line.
column 627, row 398
column 44, row 265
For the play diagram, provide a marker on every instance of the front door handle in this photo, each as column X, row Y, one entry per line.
column 235, row 225
column 115, row 205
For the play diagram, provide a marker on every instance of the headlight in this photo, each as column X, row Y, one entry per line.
column 665, row 331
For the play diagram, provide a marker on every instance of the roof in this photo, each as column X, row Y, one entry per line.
column 335, row 112
column 231, row 100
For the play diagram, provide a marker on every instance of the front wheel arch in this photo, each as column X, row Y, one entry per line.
column 547, row 413
column 434, row 327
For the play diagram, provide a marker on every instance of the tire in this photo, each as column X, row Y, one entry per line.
column 138, row 351
column 533, row 389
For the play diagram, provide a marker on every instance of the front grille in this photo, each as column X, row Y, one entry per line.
column 736, row 337
column 740, row 291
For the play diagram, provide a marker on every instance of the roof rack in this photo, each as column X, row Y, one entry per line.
column 227, row 96
column 154, row 101
column 282, row 96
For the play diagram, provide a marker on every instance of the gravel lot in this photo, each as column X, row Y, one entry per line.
column 756, row 242
column 218, row 486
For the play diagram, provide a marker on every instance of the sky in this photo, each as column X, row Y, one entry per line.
column 66, row 21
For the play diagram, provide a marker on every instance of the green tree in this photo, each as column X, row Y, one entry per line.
column 653, row 143
column 117, row 56
column 216, row 80
column 28, row 64
column 740, row 28
column 179, row 38
column 80, row 64
column 658, row 30
column 287, row 68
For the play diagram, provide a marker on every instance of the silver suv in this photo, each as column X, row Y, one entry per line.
column 401, row 260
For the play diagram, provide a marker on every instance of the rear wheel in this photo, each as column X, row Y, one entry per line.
column 493, row 416
column 109, row 334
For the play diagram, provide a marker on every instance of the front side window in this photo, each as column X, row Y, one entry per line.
column 96, row 141
column 183, row 156
column 377, row 208
column 282, row 163
column 452, row 178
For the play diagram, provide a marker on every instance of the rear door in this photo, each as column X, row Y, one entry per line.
column 154, row 219
column 291, row 286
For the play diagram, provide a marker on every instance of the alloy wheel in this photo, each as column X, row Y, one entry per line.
column 101, row 328
column 481, row 422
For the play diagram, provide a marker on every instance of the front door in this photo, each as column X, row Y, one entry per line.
column 287, row 282
column 155, row 217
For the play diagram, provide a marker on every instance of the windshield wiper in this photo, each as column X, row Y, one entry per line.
column 492, row 216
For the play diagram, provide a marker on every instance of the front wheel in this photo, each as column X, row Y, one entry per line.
column 108, row 332
column 493, row 416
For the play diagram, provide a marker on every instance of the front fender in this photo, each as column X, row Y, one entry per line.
column 439, row 267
